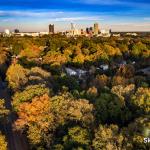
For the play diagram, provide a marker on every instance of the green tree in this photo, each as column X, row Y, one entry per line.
column 138, row 49
column 109, row 108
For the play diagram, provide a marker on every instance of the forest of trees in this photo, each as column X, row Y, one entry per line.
column 103, row 109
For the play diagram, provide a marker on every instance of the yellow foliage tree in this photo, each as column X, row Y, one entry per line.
column 3, row 143
column 16, row 76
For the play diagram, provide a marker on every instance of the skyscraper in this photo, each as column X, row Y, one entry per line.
column 51, row 28
column 87, row 30
column 91, row 29
column 96, row 29
column 16, row 31
column 72, row 26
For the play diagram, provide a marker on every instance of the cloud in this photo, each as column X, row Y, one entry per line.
column 126, row 26
column 28, row 13
column 133, row 24
column 82, row 18
column 116, row 20
column 57, row 16
column 8, row 20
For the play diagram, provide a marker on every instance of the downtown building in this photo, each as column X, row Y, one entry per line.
column 74, row 31
column 51, row 29
column 96, row 29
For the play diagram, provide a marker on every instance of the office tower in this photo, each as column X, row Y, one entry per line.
column 16, row 31
column 72, row 26
column 82, row 31
column 96, row 29
column 87, row 30
column 91, row 29
column 51, row 28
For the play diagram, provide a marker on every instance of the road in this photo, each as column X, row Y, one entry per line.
column 16, row 140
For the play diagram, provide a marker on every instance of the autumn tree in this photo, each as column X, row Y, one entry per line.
column 37, row 116
column 119, row 80
column 77, row 137
column 3, row 143
column 108, row 138
column 4, row 61
column 54, row 58
column 92, row 93
column 101, row 81
column 126, row 71
column 17, row 76
column 123, row 47
column 44, row 114
column 111, row 51
column 137, row 131
column 123, row 91
column 79, row 59
column 31, row 52
column 39, row 76
column 28, row 94
column 3, row 116
column 141, row 101
column 67, row 108
column 3, row 111
column 139, row 49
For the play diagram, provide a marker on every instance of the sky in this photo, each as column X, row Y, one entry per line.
column 36, row 15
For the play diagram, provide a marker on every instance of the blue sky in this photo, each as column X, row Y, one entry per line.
column 35, row 15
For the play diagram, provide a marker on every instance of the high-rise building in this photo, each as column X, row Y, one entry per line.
column 87, row 30
column 91, row 29
column 72, row 26
column 82, row 31
column 51, row 28
column 96, row 29
column 16, row 31
column 74, row 31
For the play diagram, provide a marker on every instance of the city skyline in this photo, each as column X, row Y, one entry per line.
column 35, row 15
